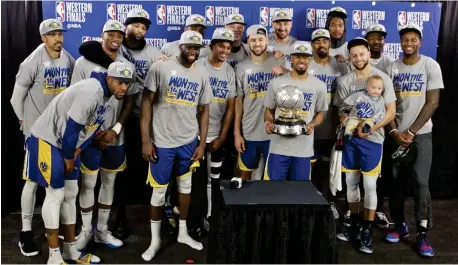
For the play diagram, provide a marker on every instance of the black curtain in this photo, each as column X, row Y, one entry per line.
column 20, row 36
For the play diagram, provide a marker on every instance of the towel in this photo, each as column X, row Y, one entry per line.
column 335, row 171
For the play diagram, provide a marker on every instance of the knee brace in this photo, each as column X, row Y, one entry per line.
column 107, row 188
column 51, row 207
column 68, row 207
column 158, row 197
column 352, row 180
column 86, row 197
column 184, row 185
column 370, row 192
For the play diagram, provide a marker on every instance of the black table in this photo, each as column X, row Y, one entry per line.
column 273, row 222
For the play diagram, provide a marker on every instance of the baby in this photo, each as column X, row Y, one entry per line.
column 366, row 107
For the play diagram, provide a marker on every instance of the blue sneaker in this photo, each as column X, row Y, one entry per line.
column 423, row 246
column 366, row 241
column 396, row 235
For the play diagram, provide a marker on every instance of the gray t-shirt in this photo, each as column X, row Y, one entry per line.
column 171, row 48
column 84, row 102
column 342, row 50
column 381, row 63
column 315, row 98
column 179, row 91
column 364, row 106
column 42, row 78
column 328, row 74
column 234, row 58
column 83, row 70
column 411, row 83
column 252, row 80
column 350, row 84
column 222, row 83
column 273, row 45
column 142, row 59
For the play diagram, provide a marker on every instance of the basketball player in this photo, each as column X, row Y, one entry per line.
column 364, row 152
column 96, row 57
column 69, row 123
column 135, row 49
column 194, row 22
column 280, row 39
column 290, row 157
column 328, row 70
column 252, row 78
column 418, row 82
column 336, row 24
column 222, row 82
column 43, row 75
column 239, row 51
column 181, row 95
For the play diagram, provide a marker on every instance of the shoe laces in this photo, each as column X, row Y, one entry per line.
column 424, row 244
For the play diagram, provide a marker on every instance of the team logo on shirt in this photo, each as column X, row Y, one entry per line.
column 43, row 167
column 409, row 84
column 257, row 83
column 306, row 108
column 364, row 110
column 56, row 79
column 182, row 91
column 220, row 89
column 330, row 81
column 98, row 118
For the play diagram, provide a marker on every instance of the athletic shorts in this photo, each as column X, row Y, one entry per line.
column 280, row 167
column 44, row 164
column 362, row 155
column 322, row 149
column 249, row 160
column 112, row 158
column 177, row 159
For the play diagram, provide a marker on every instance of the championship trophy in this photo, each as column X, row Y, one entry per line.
column 289, row 99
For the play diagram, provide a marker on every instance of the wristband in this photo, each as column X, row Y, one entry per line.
column 411, row 133
column 117, row 128
column 394, row 130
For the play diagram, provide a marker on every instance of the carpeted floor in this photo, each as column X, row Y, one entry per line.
column 444, row 238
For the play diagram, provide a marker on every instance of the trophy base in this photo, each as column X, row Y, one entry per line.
column 294, row 127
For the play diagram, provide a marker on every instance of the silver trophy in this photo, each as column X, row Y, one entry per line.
column 289, row 99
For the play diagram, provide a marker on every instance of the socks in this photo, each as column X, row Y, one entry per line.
column 102, row 223
column 26, row 222
column 87, row 221
column 183, row 236
column 54, row 256
column 422, row 226
column 70, row 252
column 155, row 241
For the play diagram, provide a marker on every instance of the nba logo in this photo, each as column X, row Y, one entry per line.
column 356, row 19
column 310, row 18
column 264, row 16
column 160, row 14
column 402, row 19
column 85, row 38
column 60, row 11
column 111, row 11
column 209, row 15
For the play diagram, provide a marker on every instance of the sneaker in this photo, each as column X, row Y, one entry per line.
column 347, row 220
column 348, row 235
column 171, row 223
column 366, row 242
column 423, row 246
column 335, row 213
column 206, row 225
column 83, row 239
column 27, row 244
column 382, row 221
column 121, row 229
column 85, row 258
column 105, row 237
column 236, row 183
column 396, row 235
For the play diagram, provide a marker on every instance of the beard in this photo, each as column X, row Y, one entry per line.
column 361, row 68
column 322, row 54
column 260, row 53
column 301, row 71
column 185, row 56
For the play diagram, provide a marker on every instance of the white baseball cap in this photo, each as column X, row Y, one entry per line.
column 50, row 25
column 338, row 12
column 122, row 71
column 256, row 29
column 138, row 16
column 195, row 20
column 235, row 18
column 282, row 15
column 114, row 25
column 301, row 48
column 376, row 28
column 411, row 27
column 223, row 34
column 191, row 38
column 320, row 33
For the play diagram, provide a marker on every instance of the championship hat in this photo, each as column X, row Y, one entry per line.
column 235, row 18
column 138, row 16
column 223, row 34
column 411, row 28
column 320, row 33
column 122, row 71
column 114, row 25
column 376, row 28
column 191, row 38
column 282, row 15
column 338, row 12
column 50, row 25
column 256, row 29
column 301, row 48
column 195, row 20
column 356, row 42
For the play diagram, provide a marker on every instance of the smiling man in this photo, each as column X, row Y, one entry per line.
column 280, row 39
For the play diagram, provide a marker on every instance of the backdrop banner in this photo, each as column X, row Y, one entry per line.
column 84, row 20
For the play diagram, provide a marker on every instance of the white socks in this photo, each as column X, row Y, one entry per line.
column 54, row 256
column 71, row 253
column 87, row 221
column 102, row 223
column 184, row 238
column 28, row 204
column 155, row 241
column 424, row 223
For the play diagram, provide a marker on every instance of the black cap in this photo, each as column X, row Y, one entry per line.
column 357, row 42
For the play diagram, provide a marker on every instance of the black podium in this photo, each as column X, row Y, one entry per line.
column 273, row 222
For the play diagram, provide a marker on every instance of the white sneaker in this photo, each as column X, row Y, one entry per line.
column 347, row 220
column 335, row 213
column 236, row 183
column 83, row 239
column 105, row 237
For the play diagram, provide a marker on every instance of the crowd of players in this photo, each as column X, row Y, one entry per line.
column 190, row 99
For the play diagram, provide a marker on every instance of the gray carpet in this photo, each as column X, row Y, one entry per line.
column 443, row 237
